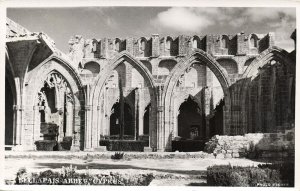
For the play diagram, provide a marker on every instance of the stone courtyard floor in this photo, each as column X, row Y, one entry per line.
column 189, row 171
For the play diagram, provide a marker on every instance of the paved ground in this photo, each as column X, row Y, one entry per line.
column 177, row 167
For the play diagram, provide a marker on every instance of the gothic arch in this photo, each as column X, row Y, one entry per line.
column 260, row 61
column 98, row 90
column 36, row 79
column 64, row 68
column 167, row 94
column 267, row 55
column 107, row 70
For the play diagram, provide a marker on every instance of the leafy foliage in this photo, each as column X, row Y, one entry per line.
column 117, row 156
column 263, row 175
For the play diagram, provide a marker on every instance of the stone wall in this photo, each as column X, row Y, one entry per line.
column 155, row 46
column 253, row 145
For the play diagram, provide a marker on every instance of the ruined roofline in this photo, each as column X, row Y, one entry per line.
column 15, row 29
column 156, row 46
column 176, row 37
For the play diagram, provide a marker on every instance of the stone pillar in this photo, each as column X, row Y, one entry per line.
column 88, row 132
column 36, row 123
column 88, row 122
column 207, row 96
column 160, row 120
column 141, row 111
column 69, row 118
column 136, row 113
column 272, row 98
column 76, row 128
column 18, row 134
column 153, row 120
column 19, row 129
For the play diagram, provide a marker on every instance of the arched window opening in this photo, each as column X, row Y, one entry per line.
column 142, row 44
column 196, row 42
column 117, row 45
column 115, row 120
column 94, row 46
column 168, row 43
column 224, row 42
column 253, row 41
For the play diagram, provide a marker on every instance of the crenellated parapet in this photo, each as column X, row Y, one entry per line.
column 240, row 44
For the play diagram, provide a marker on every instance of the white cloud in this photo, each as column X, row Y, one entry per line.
column 183, row 20
column 260, row 14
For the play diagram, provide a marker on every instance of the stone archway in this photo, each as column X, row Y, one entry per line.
column 57, row 76
column 97, row 99
column 166, row 101
column 259, row 68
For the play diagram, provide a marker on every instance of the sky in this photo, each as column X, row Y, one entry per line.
column 98, row 22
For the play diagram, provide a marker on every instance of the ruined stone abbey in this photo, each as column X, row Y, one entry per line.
column 173, row 86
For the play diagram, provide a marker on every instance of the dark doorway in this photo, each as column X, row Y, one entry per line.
column 146, row 120
column 190, row 124
column 9, row 113
column 115, row 117
column 216, row 122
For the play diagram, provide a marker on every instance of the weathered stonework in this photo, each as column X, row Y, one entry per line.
column 252, row 145
column 227, row 84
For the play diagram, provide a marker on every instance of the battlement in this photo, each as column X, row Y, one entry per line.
column 156, row 46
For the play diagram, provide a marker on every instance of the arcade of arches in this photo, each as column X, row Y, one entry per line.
column 192, row 97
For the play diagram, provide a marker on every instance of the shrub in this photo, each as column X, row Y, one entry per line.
column 263, row 175
column 117, row 156
column 218, row 175
column 66, row 143
column 125, row 145
column 104, row 142
column 188, row 145
column 69, row 176
column 45, row 145
column 286, row 170
column 117, row 137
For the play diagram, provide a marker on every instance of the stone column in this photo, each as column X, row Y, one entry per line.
column 160, row 119
column 207, row 95
column 76, row 130
column 69, row 118
column 18, row 135
column 141, row 111
column 19, row 129
column 36, row 123
column 136, row 114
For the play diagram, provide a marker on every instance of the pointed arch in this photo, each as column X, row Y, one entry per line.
column 167, row 94
column 35, row 81
column 107, row 70
column 272, row 53
column 96, row 96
